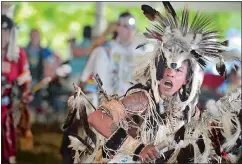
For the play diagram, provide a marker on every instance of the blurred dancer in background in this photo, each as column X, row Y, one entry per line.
column 15, row 69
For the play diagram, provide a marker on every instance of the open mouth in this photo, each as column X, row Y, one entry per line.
column 168, row 84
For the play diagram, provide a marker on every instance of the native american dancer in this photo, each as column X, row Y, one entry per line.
column 14, row 69
column 158, row 120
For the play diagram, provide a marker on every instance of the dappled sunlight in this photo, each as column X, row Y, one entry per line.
column 25, row 12
column 54, row 18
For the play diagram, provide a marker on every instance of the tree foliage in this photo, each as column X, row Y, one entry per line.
column 57, row 21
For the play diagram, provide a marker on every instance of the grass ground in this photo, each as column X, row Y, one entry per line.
column 47, row 141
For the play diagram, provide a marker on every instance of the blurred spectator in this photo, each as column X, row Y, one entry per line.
column 58, row 92
column 80, row 54
column 55, row 89
column 37, row 56
column 51, row 64
column 233, row 81
column 114, row 62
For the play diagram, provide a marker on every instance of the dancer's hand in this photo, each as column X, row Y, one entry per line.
column 26, row 97
column 149, row 153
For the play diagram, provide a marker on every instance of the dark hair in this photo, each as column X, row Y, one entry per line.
column 6, row 22
column 233, row 71
column 34, row 30
column 125, row 14
column 186, row 90
column 115, row 34
column 87, row 32
column 189, row 69
column 31, row 34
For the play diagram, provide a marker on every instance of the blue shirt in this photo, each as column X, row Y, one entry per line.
column 78, row 63
column 34, row 57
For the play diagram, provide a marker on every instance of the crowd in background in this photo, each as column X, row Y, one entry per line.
column 50, row 101
column 44, row 62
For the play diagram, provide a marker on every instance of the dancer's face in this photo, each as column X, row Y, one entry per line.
column 173, row 80
column 5, row 38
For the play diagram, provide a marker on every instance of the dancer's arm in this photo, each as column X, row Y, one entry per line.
column 109, row 114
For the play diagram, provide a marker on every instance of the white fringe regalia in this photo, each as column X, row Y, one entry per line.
column 176, row 41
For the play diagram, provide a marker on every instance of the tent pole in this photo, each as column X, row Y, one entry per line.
column 100, row 23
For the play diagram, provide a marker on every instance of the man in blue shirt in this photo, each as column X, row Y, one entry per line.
column 80, row 53
column 37, row 56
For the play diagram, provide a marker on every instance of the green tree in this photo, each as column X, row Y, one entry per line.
column 58, row 20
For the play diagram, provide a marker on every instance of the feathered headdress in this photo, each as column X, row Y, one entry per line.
column 198, row 40
column 8, row 23
column 178, row 40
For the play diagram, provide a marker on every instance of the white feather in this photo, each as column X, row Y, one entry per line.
column 10, row 12
column 13, row 49
column 212, row 108
column 77, row 102
column 76, row 145
column 197, row 39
